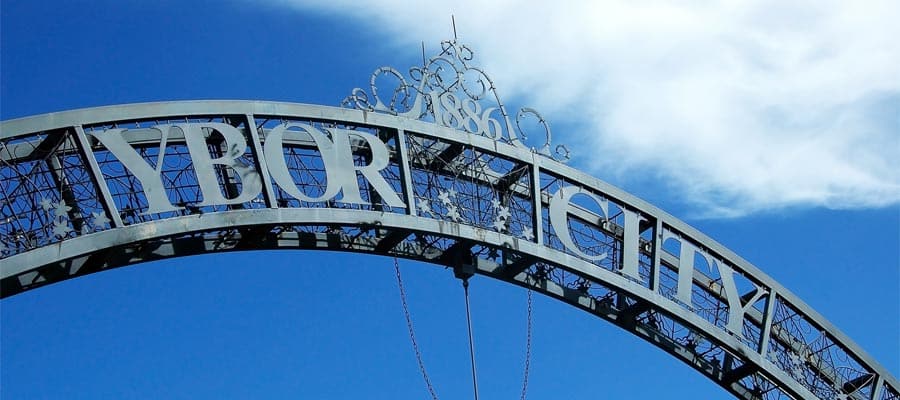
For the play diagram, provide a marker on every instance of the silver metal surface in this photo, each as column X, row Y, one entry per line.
column 438, row 172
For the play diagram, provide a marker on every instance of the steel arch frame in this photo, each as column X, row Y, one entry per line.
column 761, row 359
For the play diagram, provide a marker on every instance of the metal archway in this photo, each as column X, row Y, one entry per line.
column 430, row 176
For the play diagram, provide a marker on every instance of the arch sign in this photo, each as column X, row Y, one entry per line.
column 434, row 170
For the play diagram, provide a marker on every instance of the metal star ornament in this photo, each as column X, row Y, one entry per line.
column 100, row 219
column 444, row 197
column 61, row 228
column 425, row 207
column 61, row 209
column 453, row 213
column 527, row 233
column 46, row 204
column 503, row 213
column 838, row 395
column 499, row 225
column 795, row 358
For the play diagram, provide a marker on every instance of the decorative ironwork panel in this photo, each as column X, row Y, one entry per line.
column 48, row 193
column 434, row 170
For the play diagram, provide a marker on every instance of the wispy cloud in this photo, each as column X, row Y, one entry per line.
column 735, row 107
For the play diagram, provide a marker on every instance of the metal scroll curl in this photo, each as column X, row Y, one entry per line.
column 449, row 91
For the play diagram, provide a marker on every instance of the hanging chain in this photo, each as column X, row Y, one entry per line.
column 527, row 347
column 412, row 334
column 465, row 283
column 415, row 345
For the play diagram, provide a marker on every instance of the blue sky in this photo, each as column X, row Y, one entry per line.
column 811, row 198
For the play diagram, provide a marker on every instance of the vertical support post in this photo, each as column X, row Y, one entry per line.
column 260, row 159
column 65, row 190
column 766, row 332
column 229, row 180
column 228, row 177
column 406, row 173
column 537, row 201
column 878, row 389
column 374, row 196
column 97, row 176
column 657, row 249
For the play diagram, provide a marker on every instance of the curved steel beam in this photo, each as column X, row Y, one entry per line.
column 93, row 189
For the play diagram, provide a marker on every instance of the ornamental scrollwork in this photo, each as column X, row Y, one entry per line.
column 450, row 91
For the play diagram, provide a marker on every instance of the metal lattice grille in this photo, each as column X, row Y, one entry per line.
column 147, row 183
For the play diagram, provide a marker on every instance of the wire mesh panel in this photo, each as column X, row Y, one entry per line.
column 463, row 184
column 161, row 179
column 48, row 193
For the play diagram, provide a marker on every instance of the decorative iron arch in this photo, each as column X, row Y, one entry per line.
column 431, row 176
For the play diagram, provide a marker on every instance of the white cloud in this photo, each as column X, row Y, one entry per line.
column 736, row 107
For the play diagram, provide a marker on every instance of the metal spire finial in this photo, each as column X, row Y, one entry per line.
column 453, row 22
